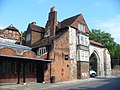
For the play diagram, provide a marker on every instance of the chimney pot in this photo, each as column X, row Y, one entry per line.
column 52, row 9
column 34, row 23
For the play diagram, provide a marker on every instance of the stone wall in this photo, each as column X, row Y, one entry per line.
column 103, row 59
column 107, row 62
column 72, row 46
column 84, row 70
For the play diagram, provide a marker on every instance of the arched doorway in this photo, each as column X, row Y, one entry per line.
column 94, row 62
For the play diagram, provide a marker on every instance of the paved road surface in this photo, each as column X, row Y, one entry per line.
column 90, row 84
column 98, row 84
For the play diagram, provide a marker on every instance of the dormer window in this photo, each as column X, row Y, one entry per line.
column 5, row 36
column 81, row 27
column 14, row 36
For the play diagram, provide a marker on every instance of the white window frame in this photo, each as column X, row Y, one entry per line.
column 81, row 27
column 41, row 51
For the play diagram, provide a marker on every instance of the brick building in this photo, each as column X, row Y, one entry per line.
column 61, row 42
column 66, row 44
column 10, row 35
column 17, row 62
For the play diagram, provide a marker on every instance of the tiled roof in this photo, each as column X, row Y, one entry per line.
column 11, row 27
column 95, row 43
column 37, row 28
column 44, row 41
column 69, row 21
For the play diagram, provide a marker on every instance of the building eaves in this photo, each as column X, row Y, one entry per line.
column 23, row 58
column 96, row 43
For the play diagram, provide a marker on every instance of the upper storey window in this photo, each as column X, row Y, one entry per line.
column 5, row 36
column 14, row 36
column 28, row 37
column 81, row 27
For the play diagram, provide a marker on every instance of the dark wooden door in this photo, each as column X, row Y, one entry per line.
column 78, row 70
column 40, row 72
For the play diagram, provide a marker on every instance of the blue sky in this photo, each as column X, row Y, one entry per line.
column 99, row 14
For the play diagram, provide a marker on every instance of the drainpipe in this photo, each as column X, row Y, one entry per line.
column 48, row 51
column 21, row 39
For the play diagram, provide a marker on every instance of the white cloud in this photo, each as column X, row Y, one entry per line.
column 1, row 26
column 41, row 1
column 111, row 26
column 98, row 4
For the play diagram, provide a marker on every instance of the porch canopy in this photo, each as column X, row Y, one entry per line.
column 24, row 61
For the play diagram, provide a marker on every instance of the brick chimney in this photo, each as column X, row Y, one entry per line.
column 51, row 23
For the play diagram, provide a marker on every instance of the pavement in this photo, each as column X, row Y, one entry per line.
column 43, row 86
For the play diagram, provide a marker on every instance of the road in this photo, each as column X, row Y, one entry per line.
column 97, row 84
column 111, row 83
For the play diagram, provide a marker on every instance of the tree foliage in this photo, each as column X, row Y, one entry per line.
column 24, row 34
column 107, row 41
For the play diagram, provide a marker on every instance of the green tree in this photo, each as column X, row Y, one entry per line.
column 101, row 36
column 24, row 34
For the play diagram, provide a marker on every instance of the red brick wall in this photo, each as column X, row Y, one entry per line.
column 8, row 51
column 60, row 66
column 47, row 73
column 85, row 69
column 29, row 54
column 80, row 19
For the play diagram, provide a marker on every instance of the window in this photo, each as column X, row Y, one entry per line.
column 82, row 40
column 81, row 55
column 86, row 41
column 14, row 36
column 81, row 27
column 5, row 36
column 86, row 55
column 28, row 37
column 41, row 51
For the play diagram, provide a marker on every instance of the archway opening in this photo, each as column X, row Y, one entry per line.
column 93, row 62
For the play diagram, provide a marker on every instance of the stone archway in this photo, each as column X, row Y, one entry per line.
column 94, row 62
